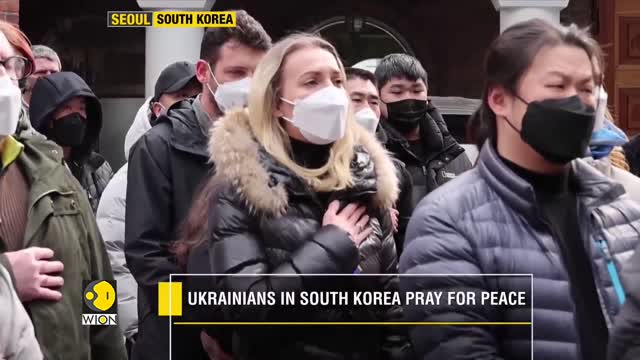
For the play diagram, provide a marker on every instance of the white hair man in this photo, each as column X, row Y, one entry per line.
column 47, row 62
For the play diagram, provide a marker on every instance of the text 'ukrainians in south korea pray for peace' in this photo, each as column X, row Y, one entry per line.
column 358, row 298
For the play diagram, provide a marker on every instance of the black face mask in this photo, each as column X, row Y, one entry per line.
column 69, row 130
column 405, row 115
column 558, row 129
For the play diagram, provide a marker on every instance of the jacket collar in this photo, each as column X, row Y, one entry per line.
column 11, row 151
column 265, row 184
column 42, row 163
column 188, row 135
column 594, row 189
column 433, row 132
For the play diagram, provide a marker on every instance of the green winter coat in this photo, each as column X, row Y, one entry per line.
column 61, row 218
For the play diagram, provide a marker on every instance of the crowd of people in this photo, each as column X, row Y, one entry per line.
column 272, row 158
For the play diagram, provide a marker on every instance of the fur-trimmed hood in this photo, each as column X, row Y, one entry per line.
column 240, row 160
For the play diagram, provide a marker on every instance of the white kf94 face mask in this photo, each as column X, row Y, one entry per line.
column 230, row 94
column 321, row 116
column 368, row 119
column 10, row 105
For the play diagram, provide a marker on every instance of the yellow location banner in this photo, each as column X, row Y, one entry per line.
column 171, row 19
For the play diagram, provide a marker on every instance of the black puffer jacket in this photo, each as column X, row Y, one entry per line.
column 445, row 160
column 265, row 220
column 90, row 168
column 404, row 205
column 624, row 343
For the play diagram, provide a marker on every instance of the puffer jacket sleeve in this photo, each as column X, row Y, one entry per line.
column 17, row 338
column 236, row 247
column 96, row 176
column 110, row 218
column 436, row 245
column 625, row 340
column 404, row 205
column 459, row 165
column 101, row 178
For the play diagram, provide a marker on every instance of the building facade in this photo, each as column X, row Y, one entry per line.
column 448, row 36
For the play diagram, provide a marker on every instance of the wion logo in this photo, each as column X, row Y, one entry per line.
column 100, row 305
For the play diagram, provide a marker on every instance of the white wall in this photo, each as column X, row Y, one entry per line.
column 117, row 116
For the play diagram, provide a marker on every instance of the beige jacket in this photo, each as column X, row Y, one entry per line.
column 17, row 338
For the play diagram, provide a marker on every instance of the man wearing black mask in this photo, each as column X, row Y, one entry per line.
column 65, row 110
column 413, row 130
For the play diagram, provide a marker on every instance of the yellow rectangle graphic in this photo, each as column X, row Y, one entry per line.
column 192, row 19
column 129, row 18
column 171, row 291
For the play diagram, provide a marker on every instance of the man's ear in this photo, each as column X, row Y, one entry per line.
column 156, row 109
column 498, row 101
column 202, row 71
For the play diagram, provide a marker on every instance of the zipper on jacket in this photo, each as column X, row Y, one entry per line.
column 613, row 272
column 562, row 265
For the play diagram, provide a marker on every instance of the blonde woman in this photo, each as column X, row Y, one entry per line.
column 299, row 189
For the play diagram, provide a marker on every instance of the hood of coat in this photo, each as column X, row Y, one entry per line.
column 54, row 90
column 140, row 125
column 242, row 161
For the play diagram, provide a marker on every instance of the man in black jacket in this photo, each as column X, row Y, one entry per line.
column 413, row 130
column 167, row 165
column 65, row 110
column 362, row 88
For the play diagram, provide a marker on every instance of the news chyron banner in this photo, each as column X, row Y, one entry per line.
column 336, row 303
column 171, row 19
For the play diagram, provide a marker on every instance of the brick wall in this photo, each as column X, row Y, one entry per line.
column 9, row 10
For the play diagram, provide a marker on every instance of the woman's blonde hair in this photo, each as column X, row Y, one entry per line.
column 265, row 95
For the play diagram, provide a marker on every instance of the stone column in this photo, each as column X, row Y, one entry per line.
column 515, row 11
column 164, row 46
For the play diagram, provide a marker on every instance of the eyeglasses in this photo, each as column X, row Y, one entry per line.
column 17, row 67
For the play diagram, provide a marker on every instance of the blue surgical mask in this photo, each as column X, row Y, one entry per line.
column 604, row 140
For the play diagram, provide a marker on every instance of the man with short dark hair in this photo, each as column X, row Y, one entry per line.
column 413, row 130
column 166, row 167
column 362, row 88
